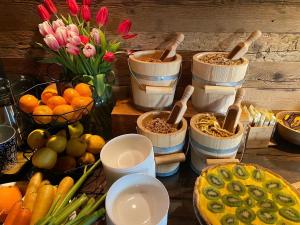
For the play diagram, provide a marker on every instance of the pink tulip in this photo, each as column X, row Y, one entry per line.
column 43, row 12
column 72, row 27
column 86, row 2
column 85, row 13
column 102, row 16
column 109, row 57
column 95, row 36
column 61, row 35
column 73, row 7
column 72, row 49
column 57, row 23
column 73, row 38
column 52, row 43
column 89, row 50
column 50, row 6
column 84, row 39
column 45, row 28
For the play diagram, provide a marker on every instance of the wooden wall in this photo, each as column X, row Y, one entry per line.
column 273, row 79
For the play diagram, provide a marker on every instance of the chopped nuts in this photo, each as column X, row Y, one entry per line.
column 159, row 125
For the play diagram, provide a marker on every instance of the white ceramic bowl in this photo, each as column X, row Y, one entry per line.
column 137, row 199
column 127, row 154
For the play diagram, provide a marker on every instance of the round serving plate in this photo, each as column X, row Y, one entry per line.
column 198, row 216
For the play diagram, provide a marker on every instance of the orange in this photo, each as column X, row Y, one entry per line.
column 64, row 113
column 9, row 195
column 55, row 101
column 42, row 114
column 69, row 94
column 27, row 103
column 49, row 91
column 84, row 89
column 86, row 103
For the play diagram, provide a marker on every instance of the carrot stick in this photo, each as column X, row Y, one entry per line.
column 13, row 213
column 43, row 203
column 23, row 217
column 32, row 189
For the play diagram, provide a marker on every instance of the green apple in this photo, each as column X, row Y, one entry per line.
column 75, row 130
column 57, row 143
column 44, row 158
column 76, row 147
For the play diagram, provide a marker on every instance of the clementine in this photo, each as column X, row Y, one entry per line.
column 84, row 89
column 86, row 103
column 49, row 91
column 27, row 103
column 69, row 94
column 64, row 113
column 55, row 101
column 42, row 114
column 9, row 195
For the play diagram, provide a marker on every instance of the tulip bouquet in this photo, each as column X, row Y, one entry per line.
column 83, row 49
column 80, row 48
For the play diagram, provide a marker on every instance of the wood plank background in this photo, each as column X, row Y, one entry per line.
column 273, row 78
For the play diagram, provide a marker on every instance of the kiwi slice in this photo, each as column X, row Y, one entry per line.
column 273, row 185
column 225, row 173
column 257, row 193
column 232, row 200
column 268, row 204
column 290, row 214
column 266, row 216
column 240, row 172
column 249, row 202
column 215, row 207
column 258, row 175
column 211, row 193
column 236, row 187
column 215, row 180
column 229, row 219
column 284, row 199
column 245, row 214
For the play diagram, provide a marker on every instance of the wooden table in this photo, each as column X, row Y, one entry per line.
column 283, row 159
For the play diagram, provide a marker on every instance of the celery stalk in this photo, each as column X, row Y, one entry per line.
column 91, row 219
column 75, row 187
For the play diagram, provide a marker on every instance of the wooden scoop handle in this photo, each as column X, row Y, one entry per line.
column 170, row 158
column 172, row 48
column 239, row 96
column 188, row 91
column 253, row 37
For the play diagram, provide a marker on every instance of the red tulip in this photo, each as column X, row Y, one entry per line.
column 84, row 39
column 43, row 12
column 86, row 2
column 129, row 36
column 50, row 6
column 109, row 57
column 102, row 16
column 85, row 13
column 124, row 27
column 73, row 7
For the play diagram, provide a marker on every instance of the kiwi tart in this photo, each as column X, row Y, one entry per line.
column 237, row 193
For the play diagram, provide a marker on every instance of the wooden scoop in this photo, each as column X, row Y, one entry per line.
column 180, row 106
column 234, row 112
column 169, row 53
column 242, row 48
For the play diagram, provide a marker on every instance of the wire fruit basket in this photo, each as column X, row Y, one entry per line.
column 65, row 109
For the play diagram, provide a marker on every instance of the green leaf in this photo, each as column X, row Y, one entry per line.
column 102, row 40
column 64, row 18
column 70, row 19
column 99, row 83
column 113, row 47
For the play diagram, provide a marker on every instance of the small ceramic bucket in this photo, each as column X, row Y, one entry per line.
column 8, row 148
column 127, row 154
column 137, row 199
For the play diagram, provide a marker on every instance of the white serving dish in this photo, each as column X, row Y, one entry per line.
column 127, row 154
column 137, row 199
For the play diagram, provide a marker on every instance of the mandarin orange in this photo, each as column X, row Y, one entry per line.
column 69, row 94
column 64, row 113
column 42, row 114
column 84, row 89
column 49, row 91
column 9, row 195
column 86, row 103
column 28, row 102
column 55, row 101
